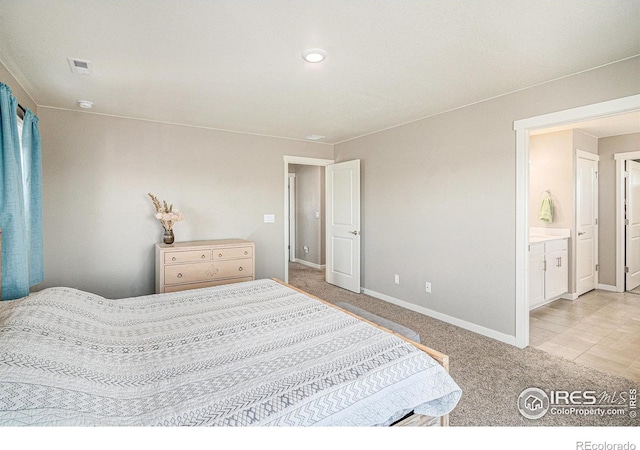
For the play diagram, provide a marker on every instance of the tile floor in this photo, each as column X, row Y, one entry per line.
column 600, row 329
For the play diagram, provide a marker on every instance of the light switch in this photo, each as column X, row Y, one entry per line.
column 269, row 218
column 317, row 215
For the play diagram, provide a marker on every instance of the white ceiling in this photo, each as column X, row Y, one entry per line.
column 236, row 65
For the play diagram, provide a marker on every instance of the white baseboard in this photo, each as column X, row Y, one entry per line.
column 445, row 318
column 310, row 264
column 544, row 302
column 567, row 296
column 608, row 287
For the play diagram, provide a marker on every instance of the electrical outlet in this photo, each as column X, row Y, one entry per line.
column 427, row 287
column 396, row 278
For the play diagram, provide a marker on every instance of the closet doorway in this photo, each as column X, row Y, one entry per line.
column 632, row 225
column 628, row 219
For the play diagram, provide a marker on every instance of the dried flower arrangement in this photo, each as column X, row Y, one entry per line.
column 166, row 214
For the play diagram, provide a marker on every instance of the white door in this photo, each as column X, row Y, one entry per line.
column 292, row 217
column 587, row 227
column 343, row 224
column 632, row 228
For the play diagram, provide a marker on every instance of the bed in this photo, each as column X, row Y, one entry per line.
column 259, row 353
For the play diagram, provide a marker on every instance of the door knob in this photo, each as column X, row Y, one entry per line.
column 580, row 233
column 355, row 233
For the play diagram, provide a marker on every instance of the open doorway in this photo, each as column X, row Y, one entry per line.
column 306, row 215
column 595, row 327
column 563, row 214
column 305, row 210
column 628, row 214
column 523, row 129
column 632, row 226
column 340, row 233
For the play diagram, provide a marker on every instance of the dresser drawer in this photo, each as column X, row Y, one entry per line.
column 192, row 273
column 188, row 256
column 197, row 264
column 233, row 252
column 184, row 287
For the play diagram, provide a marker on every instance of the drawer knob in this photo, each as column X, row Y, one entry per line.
column 203, row 256
column 246, row 252
column 173, row 259
column 219, row 255
column 240, row 269
column 179, row 275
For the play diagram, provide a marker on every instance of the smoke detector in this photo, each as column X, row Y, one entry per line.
column 85, row 104
column 80, row 66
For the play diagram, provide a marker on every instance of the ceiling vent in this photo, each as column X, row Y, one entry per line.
column 81, row 66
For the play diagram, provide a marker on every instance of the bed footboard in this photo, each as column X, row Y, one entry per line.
column 417, row 420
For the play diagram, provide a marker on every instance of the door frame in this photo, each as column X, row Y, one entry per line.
column 304, row 161
column 620, row 159
column 522, row 128
column 291, row 243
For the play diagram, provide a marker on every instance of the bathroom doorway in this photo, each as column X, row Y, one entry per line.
column 523, row 128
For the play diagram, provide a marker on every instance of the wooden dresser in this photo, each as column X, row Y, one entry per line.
column 198, row 264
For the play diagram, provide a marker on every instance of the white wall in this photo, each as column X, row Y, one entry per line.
column 16, row 89
column 551, row 168
column 99, row 229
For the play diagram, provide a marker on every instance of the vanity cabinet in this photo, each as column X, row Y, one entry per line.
column 198, row 264
column 548, row 271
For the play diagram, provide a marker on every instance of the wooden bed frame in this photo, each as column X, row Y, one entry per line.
column 441, row 358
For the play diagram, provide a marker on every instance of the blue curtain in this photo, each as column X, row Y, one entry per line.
column 20, row 200
column 32, row 187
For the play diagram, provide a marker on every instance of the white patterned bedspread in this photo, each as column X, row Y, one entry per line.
column 245, row 354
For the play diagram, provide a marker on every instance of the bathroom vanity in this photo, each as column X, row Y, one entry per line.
column 548, row 268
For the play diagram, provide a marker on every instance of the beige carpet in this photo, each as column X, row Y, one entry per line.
column 491, row 374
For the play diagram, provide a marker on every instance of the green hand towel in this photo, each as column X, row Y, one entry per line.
column 546, row 210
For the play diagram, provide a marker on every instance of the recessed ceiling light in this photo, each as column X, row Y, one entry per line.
column 86, row 104
column 314, row 137
column 314, row 55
